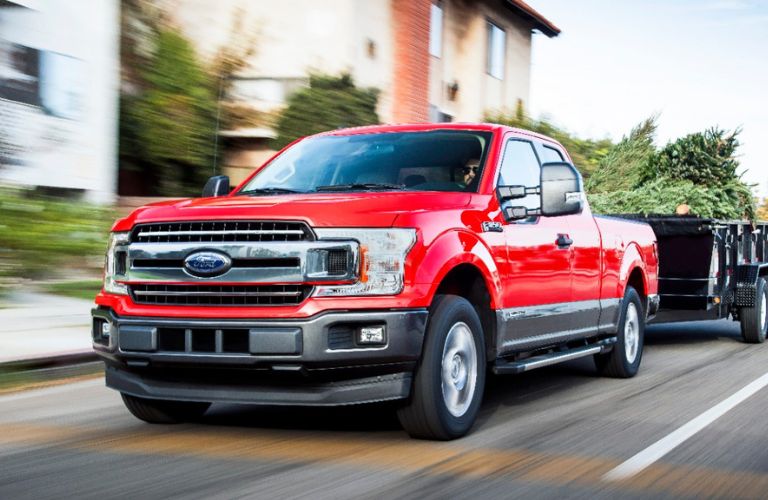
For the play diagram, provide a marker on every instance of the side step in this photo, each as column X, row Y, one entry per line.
column 506, row 367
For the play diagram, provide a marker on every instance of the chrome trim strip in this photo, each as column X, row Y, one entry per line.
column 311, row 255
column 517, row 313
column 159, row 293
column 209, row 233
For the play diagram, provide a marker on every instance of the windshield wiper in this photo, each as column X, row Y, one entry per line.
column 269, row 190
column 366, row 186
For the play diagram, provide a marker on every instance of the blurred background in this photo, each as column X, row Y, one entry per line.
column 106, row 104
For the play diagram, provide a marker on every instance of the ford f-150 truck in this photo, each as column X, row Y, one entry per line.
column 373, row 264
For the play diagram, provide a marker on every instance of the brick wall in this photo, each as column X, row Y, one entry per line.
column 411, row 72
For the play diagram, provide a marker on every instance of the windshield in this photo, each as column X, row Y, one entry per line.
column 445, row 160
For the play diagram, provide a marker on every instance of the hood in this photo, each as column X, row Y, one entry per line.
column 367, row 209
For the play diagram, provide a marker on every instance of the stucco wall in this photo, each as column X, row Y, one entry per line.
column 295, row 37
column 465, row 50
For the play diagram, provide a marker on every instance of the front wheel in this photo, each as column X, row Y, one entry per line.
column 158, row 411
column 623, row 361
column 753, row 319
column 450, row 379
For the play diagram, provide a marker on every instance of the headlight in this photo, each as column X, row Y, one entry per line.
column 382, row 260
column 115, row 263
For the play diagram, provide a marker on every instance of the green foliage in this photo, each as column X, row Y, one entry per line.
column 85, row 289
column 632, row 176
column 698, row 170
column 663, row 195
column 586, row 153
column 706, row 158
column 622, row 167
column 330, row 102
column 39, row 235
column 168, row 127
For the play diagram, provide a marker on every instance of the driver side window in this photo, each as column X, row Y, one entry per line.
column 520, row 167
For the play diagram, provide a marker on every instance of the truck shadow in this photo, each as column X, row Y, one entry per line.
column 689, row 332
column 378, row 417
column 507, row 392
column 381, row 418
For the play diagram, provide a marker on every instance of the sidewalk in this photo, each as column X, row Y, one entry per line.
column 37, row 325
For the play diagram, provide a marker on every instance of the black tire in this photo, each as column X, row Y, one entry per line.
column 158, row 411
column 618, row 362
column 753, row 319
column 427, row 415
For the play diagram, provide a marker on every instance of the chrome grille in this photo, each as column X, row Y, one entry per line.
column 213, row 231
column 220, row 295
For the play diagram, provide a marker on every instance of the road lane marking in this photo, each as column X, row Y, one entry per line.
column 657, row 450
column 398, row 455
column 51, row 391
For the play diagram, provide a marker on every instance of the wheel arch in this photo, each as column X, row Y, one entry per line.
column 467, row 281
column 633, row 273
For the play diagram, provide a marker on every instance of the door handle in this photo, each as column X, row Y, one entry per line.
column 563, row 241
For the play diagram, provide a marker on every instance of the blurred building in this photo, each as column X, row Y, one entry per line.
column 433, row 60
column 59, row 74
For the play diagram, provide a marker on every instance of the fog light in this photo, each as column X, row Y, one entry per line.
column 105, row 329
column 372, row 335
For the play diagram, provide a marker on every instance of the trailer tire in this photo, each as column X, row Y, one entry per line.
column 450, row 378
column 623, row 361
column 753, row 319
column 159, row 411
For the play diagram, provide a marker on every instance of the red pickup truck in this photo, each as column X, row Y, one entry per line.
column 372, row 264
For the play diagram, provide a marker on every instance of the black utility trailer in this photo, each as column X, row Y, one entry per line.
column 711, row 269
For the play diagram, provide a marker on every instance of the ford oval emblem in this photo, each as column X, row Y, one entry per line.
column 207, row 264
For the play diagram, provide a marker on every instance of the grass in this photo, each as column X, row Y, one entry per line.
column 15, row 379
column 86, row 289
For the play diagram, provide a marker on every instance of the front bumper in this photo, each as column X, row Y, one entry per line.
column 314, row 361
column 299, row 392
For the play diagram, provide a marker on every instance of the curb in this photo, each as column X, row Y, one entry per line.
column 49, row 362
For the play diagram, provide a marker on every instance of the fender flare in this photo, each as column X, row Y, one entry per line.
column 455, row 248
column 631, row 260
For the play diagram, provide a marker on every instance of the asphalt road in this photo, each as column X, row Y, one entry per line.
column 551, row 433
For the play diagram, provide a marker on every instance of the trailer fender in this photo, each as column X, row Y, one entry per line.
column 746, row 283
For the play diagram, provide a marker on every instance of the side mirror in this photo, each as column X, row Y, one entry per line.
column 561, row 189
column 506, row 193
column 218, row 185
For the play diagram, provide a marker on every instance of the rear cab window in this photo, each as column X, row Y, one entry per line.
column 550, row 155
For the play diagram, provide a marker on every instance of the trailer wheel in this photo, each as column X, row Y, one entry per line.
column 623, row 361
column 158, row 411
column 450, row 379
column 753, row 319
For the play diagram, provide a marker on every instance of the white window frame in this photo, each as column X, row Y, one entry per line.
column 497, row 50
column 436, row 30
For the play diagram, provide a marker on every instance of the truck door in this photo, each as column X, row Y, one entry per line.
column 537, row 287
column 585, row 256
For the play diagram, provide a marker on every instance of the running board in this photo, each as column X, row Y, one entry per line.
column 506, row 367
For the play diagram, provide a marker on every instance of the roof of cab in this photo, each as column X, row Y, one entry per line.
column 428, row 127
